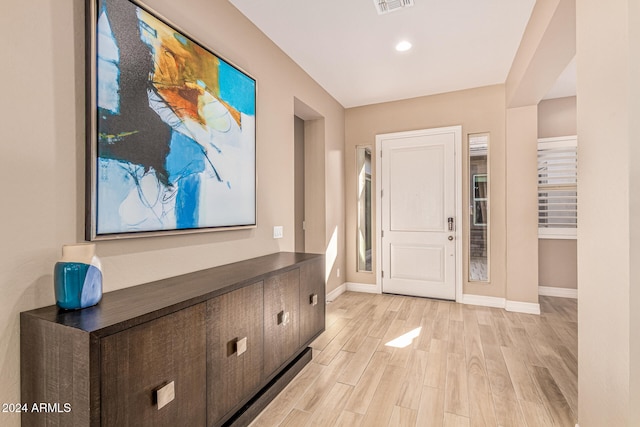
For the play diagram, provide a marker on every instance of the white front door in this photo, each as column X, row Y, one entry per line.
column 418, row 212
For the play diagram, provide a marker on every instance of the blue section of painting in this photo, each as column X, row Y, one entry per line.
column 184, row 163
column 187, row 202
column 116, row 179
column 107, row 66
column 237, row 89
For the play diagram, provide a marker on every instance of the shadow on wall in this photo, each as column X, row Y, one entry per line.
column 19, row 297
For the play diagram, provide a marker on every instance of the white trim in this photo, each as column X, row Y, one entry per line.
column 558, row 233
column 559, row 141
column 523, row 307
column 367, row 288
column 497, row 302
column 331, row 296
column 550, row 291
column 483, row 301
column 458, row 155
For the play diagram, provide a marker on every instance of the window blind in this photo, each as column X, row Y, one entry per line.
column 557, row 187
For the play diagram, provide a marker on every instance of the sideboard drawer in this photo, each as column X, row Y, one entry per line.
column 234, row 334
column 281, row 318
column 139, row 361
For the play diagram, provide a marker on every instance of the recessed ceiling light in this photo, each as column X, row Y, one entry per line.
column 403, row 46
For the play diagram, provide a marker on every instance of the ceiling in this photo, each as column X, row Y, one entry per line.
column 349, row 49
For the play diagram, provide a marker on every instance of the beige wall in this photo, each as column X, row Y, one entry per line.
column 42, row 160
column 477, row 110
column 557, row 259
column 558, row 263
column 608, row 240
column 546, row 48
column 634, row 213
column 522, row 204
column 557, row 117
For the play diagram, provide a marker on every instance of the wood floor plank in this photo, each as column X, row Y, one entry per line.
column 411, row 390
column 296, row 418
column 553, row 398
column 359, row 361
column 481, row 409
column 403, row 417
column 368, row 384
column 501, row 385
column 501, row 330
column 508, row 412
column 473, row 345
column 349, row 419
column 280, row 407
column 436, row 375
column 441, row 322
column 360, row 333
column 328, row 411
column 456, row 337
column 453, row 420
column 380, row 326
column 431, row 411
column 456, row 396
column 521, row 342
column 335, row 346
column 455, row 312
column 310, row 400
column 521, row 379
column 383, row 401
column 536, row 414
column 329, row 334
column 484, row 316
column 396, row 329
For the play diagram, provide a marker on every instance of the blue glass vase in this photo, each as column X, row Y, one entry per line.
column 77, row 277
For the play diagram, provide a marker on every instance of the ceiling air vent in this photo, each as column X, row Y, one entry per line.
column 386, row 6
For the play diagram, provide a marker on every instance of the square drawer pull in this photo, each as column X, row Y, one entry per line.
column 283, row 318
column 165, row 395
column 241, row 346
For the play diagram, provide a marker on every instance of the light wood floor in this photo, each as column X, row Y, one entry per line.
column 462, row 365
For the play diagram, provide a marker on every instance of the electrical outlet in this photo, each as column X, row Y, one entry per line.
column 278, row 232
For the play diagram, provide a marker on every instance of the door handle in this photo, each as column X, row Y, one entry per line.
column 450, row 223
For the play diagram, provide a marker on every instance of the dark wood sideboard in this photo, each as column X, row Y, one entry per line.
column 216, row 344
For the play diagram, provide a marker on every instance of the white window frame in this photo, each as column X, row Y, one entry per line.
column 558, row 232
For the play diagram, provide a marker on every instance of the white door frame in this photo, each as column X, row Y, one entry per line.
column 457, row 131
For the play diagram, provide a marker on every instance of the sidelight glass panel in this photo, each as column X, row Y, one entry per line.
column 363, row 168
column 479, row 208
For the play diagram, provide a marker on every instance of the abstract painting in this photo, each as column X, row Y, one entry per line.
column 171, row 129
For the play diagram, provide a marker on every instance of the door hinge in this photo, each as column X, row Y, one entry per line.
column 382, row 233
column 382, row 274
column 381, row 193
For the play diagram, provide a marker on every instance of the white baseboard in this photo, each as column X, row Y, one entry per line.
column 483, row 301
column 353, row 287
column 337, row 292
column 523, row 307
column 516, row 306
column 557, row 292
column 362, row 287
